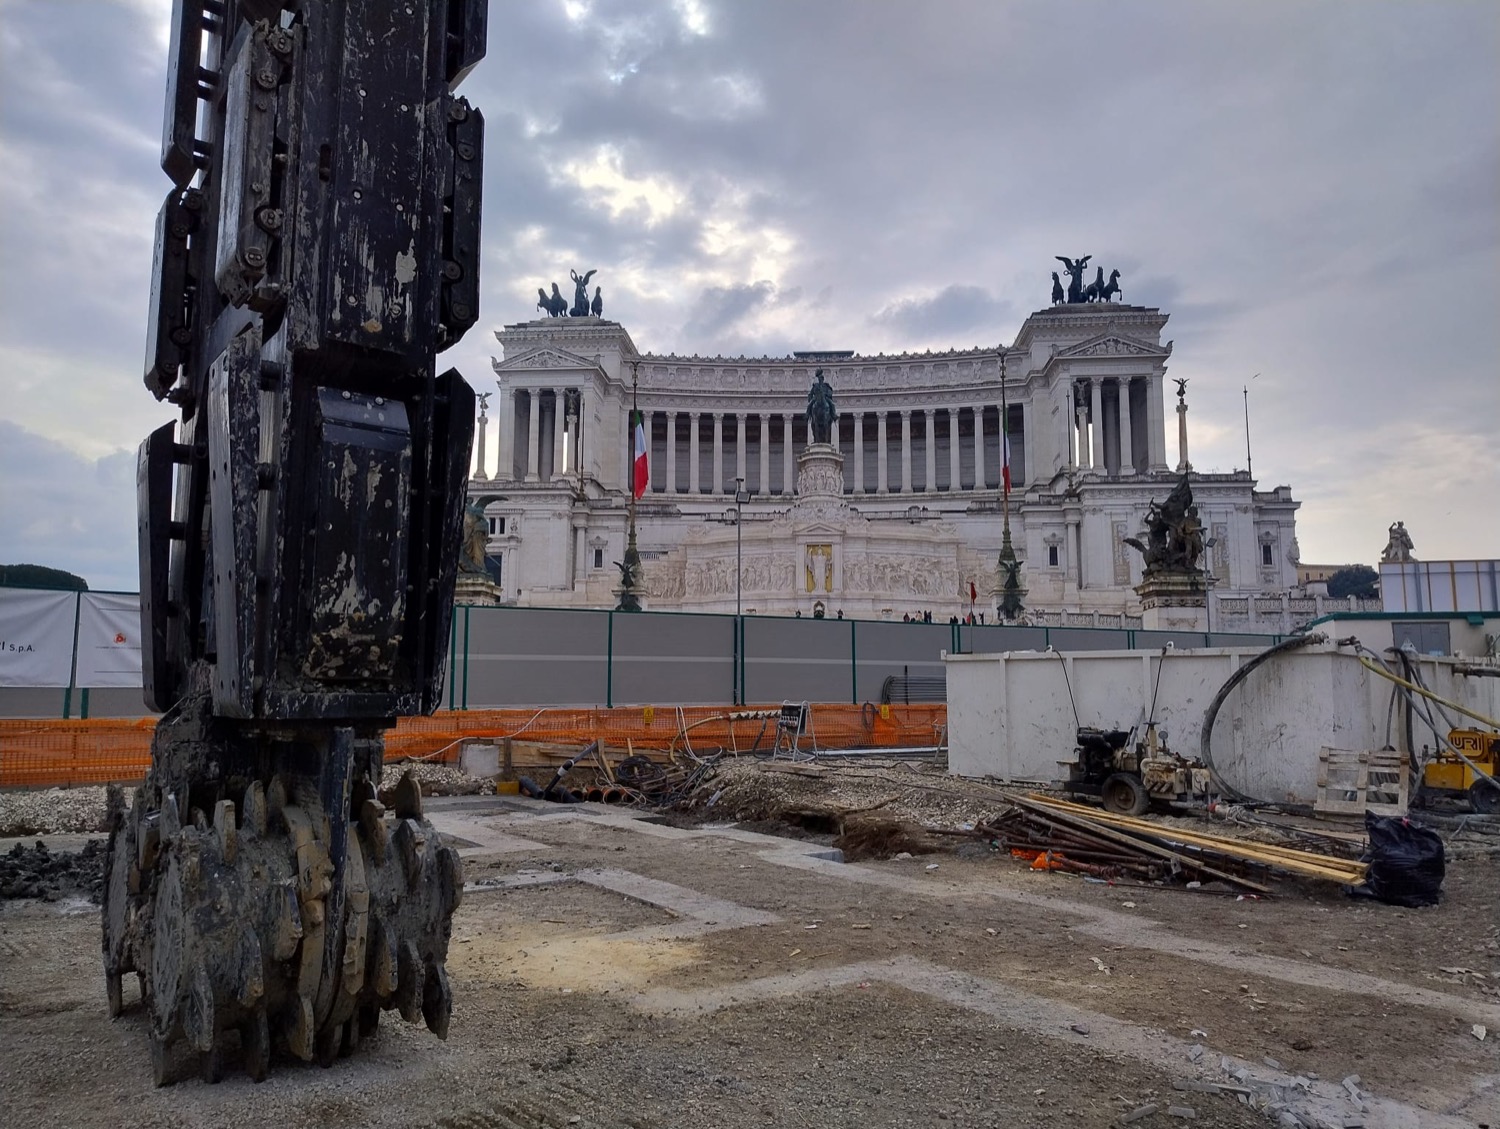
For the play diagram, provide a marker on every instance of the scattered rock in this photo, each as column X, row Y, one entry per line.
column 1186, row 1112
column 1139, row 1112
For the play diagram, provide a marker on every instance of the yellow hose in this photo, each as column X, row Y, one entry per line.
column 1414, row 688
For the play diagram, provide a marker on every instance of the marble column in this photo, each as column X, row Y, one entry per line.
column 882, row 455
column 739, row 445
column 929, row 483
column 859, row 451
column 533, row 433
column 505, row 434
column 906, row 450
column 572, row 430
column 979, row 447
column 1081, row 430
column 1096, row 399
column 671, row 452
column 1156, row 425
column 1183, row 463
column 763, row 487
column 953, row 445
column 480, row 427
column 578, row 438
column 695, row 455
column 1127, row 447
column 716, row 480
column 788, row 479
column 559, row 429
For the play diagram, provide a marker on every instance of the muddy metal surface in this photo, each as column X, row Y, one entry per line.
column 613, row 972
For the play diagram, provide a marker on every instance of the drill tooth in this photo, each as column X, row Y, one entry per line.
column 437, row 1000
column 253, row 815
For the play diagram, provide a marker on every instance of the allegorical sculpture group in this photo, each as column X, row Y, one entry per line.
column 1077, row 292
column 554, row 305
column 1174, row 535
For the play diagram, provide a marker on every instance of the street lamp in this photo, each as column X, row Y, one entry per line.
column 1208, row 591
column 741, row 496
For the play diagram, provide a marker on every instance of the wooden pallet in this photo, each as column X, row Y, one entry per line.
column 1352, row 782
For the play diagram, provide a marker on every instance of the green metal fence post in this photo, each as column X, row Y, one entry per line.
column 609, row 662
column 452, row 659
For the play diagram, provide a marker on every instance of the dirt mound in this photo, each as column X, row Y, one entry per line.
column 36, row 872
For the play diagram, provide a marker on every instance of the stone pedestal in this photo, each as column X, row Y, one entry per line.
column 475, row 588
column 1173, row 601
column 820, row 472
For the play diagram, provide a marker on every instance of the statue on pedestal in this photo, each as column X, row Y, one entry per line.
column 1174, row 534
column 581, row 293
column 1398, row 547
column 820, row 410
column 471, row 553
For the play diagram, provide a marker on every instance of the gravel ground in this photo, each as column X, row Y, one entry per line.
column 579, row 1005
column 60, row 811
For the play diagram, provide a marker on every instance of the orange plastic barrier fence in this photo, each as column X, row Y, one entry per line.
column 46, row 753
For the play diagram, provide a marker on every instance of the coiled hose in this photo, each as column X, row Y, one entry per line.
column 1205, row 749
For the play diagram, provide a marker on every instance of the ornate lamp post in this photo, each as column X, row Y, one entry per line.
column 741, row 496
column 1012, row 592
column 630, row 567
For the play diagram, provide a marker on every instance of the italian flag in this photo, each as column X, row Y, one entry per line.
column 642, row 477
column 1005, row 461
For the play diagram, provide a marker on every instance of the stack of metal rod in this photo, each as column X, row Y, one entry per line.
column 1054, row 834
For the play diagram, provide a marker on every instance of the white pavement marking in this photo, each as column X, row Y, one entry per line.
column 1107, row 924
column 1144, row 933
column 700, row 913
column 1320, row 1103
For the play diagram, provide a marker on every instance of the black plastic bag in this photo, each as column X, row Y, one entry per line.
column 1406, row 862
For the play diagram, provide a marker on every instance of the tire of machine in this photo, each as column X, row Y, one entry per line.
column 1484, row 797
column 1124, row 794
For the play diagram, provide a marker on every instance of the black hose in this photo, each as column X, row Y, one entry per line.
column 1205, row 750
column 1161, row 661
column 1069, row 683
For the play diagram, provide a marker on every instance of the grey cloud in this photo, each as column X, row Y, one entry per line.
column 954, row 310
column 68, row 512
column 721, row 308
column 1307, row 189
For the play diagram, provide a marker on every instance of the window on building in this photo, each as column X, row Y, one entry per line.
column 1265, row 555
column 497, row 527
column 598, row 558
column 1051, row 556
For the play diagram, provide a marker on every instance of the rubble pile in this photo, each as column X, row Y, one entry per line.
column 52, row 811
column 36, row 872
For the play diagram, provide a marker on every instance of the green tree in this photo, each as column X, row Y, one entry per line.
column 1356, row 580
column 40, row 576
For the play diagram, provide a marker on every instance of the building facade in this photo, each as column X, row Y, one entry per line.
column 912, row 517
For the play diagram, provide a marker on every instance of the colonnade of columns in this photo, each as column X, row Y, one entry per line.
column 553, row 446
column 911, row 458
column 1116, row 425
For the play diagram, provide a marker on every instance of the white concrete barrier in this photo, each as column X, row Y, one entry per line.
column 1011, row 717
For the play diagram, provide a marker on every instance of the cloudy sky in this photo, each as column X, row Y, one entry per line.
column 1310, row 189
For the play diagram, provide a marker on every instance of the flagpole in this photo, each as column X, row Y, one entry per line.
column 630, row 571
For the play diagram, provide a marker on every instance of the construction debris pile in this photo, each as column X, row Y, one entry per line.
column 36, row 872
column 1054, row 834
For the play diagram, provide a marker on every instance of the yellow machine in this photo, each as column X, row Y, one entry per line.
column 1448, row 774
